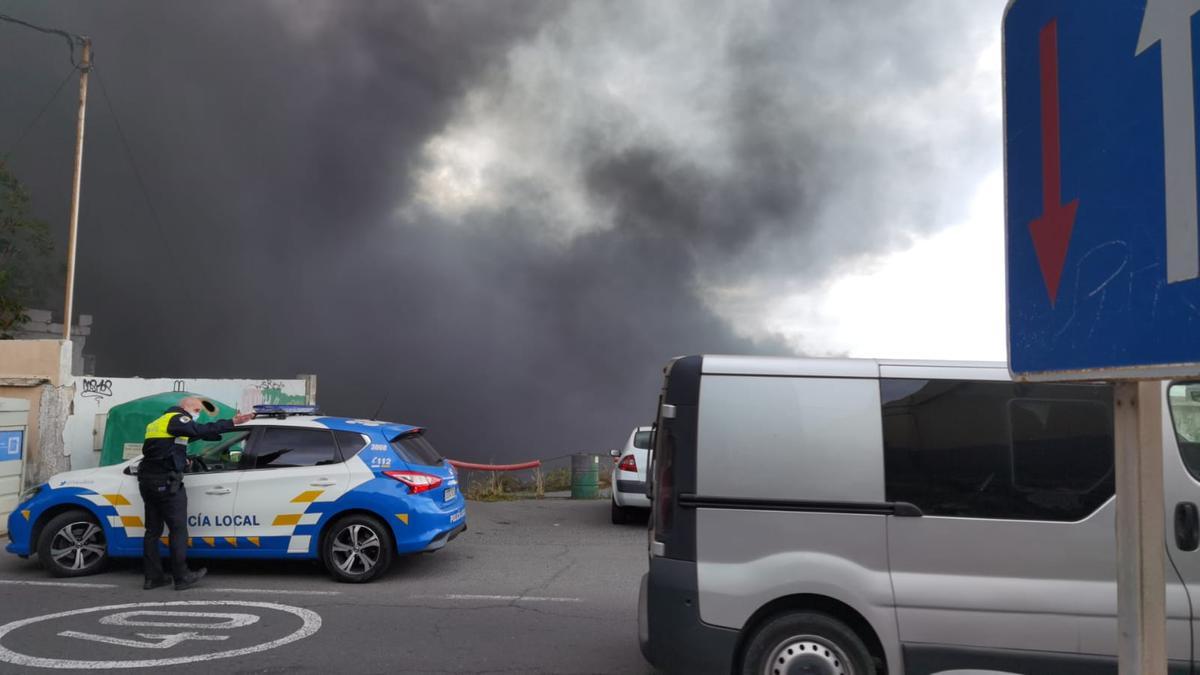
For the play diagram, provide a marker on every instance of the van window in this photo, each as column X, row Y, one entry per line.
column 1185, row 413
column 641, row 439
column 998, row 449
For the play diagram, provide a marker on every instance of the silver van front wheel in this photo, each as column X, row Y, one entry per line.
column 808, row 643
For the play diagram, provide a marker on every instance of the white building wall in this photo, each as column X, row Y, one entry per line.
column 95, row 396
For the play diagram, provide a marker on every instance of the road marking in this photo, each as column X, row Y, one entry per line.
column 508, row 598
column 232, row 620
column 68, row 584
column 312, row 623
column 163, row 641
column 281, row 591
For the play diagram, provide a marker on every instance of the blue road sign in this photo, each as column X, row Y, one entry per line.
column 1101, row 188
column 10, row 445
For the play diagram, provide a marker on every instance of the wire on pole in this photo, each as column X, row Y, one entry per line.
column 71, row 38
column 38, row 117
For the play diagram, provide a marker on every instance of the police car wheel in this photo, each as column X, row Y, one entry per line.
column 72, row 544
column 357, row 548
column 807, row 642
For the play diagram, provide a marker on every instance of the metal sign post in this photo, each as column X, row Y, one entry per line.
column 1103, row 248
column 1141, row 597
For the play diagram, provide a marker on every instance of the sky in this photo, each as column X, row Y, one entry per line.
column 500, row 220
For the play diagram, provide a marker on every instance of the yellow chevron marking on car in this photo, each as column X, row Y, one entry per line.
column 25, row 513
column 165, row 540
column 232, row 541
column 307, row 497
column 117, row 500
column 211, row 541
column 403, row 517
column 252, row 540
column 132, row 521
column 189, row 542
column 287, row 519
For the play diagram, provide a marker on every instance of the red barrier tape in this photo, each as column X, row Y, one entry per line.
column 495, row 467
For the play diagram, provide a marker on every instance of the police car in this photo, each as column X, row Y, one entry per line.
column 289, row 483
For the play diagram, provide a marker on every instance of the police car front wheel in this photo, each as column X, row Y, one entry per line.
column 72, row 544
column 357, row 548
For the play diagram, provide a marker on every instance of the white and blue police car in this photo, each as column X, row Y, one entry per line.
column 289, row 483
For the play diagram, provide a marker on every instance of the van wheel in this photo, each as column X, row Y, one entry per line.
column 72, row 544
column 620, row 514
column 806, row 642
column 357, row 548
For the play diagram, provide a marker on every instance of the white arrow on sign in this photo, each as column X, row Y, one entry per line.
column 1170, row 22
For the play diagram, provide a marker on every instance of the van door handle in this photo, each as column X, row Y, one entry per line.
column 323, row 483
column 218, row 491
column 1187, row 526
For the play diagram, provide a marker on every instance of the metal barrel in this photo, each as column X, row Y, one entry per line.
column 585, row 476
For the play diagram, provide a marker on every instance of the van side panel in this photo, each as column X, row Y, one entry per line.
column 751, row 558
column 1016, row 585
column 782, row 445
column 790, row 438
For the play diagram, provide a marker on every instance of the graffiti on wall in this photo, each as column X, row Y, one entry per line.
column 268, row 392
column 96, row 389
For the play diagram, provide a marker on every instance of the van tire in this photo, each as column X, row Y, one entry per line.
column 61, row 533
column 620, row 514
column 373, row 536
column 819, row 638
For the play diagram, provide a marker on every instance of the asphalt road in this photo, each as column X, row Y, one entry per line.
column 533, row 587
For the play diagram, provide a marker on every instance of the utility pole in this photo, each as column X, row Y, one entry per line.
column 85, row 68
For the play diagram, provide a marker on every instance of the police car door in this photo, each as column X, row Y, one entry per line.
column 293, row 474
column 211, row 490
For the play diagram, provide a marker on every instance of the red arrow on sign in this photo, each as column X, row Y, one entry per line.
column 1052, row 230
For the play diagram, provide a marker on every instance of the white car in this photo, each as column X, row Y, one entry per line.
column 629, row 477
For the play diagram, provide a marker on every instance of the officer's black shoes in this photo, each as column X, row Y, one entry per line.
column 150, row 584
column 190, row 578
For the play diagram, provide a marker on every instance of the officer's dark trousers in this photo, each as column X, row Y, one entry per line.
column 163, row 507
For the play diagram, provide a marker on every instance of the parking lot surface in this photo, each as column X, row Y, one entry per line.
column 546, row 586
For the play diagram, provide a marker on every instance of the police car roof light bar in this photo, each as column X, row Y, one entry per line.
column 273, row 410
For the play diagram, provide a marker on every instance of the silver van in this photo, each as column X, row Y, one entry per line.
column 847, row 516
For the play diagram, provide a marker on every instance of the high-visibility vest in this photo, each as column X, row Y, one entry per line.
column 158, row 428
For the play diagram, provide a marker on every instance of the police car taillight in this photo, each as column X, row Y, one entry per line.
column 416, row 482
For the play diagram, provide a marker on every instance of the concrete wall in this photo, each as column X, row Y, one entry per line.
column 39, row 372
column 95, row 396
column 42, row 327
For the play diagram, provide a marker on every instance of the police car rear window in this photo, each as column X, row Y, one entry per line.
column 350, row 443
column 416, row 449
column 289, row 447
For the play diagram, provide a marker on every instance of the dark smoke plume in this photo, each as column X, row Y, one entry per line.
column 503, row 216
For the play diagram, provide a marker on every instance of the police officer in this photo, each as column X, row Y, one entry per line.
column 160, row 480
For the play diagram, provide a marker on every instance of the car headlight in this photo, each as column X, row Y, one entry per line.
column 30, row 493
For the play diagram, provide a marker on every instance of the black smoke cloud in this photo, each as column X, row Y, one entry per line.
column 285, row 145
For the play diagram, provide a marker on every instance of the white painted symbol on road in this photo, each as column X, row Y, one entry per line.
column 231, row 620
column 161, row 640
column 165, row 640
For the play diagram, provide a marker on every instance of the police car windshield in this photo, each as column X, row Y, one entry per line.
column 416, row 449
